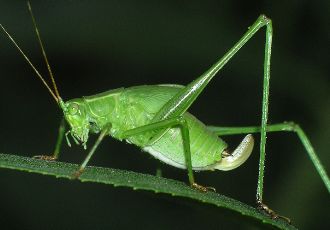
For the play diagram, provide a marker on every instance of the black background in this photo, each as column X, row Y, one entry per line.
column 94, row 46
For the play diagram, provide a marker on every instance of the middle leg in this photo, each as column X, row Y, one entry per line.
column 170, row 123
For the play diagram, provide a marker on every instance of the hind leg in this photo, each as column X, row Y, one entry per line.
column 281, row 127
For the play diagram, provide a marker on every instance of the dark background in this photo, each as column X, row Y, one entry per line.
column 94, row 46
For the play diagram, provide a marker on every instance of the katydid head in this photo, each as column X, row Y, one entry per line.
column 75, row 114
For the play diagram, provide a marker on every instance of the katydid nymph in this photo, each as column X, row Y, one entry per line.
column 155, row 119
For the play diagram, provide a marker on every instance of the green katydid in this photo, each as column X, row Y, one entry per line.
column 155, row 118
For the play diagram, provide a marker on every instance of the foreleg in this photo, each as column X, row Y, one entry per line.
column 58, row 145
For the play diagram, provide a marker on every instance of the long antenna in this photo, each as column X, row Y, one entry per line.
column 30, row 63
column 43, row 50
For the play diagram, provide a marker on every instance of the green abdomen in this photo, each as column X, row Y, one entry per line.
column 206, row 148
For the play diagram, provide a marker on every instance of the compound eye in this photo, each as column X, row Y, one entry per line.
column 73, row 109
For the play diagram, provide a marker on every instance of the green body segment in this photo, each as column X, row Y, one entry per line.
column 129, row 108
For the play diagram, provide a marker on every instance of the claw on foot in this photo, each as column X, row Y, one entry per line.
column 202, row 188
column 264, row 208
column 45, row 157
column 76, row 174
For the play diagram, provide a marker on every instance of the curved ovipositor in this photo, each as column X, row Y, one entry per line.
column 238, row 156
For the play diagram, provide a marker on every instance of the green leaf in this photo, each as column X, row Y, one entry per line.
column 136, row 181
